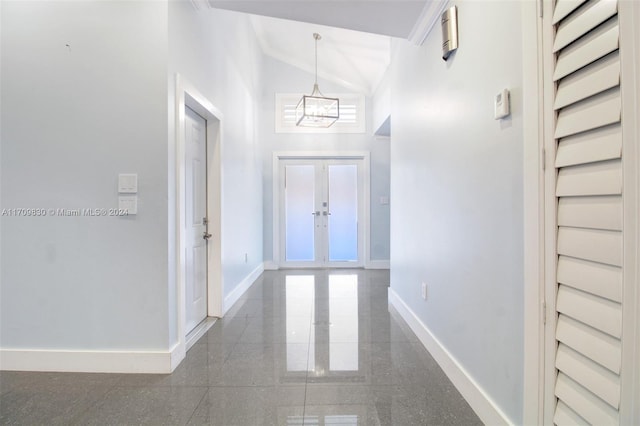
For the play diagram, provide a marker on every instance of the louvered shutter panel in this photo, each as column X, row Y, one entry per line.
column 588, row 160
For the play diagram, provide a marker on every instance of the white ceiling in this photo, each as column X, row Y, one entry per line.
column 353, row 59
column 356, row 35
column 387, row 17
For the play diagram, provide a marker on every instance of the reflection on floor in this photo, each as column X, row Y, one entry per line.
column 300, row 348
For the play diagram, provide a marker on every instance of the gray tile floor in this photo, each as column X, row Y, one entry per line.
column 300, row 348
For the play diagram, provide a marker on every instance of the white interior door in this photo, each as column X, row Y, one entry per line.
column 322, row 207
column 196, row 218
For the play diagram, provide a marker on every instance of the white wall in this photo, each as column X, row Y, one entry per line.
column 280, row 77
column 73, row 117
column 457, row 195
column 76, row 116
column 381, row 105
column 217, row 52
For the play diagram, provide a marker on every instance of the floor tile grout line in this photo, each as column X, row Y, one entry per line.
column 198, row 406
column 76, row 420
column 306, row 381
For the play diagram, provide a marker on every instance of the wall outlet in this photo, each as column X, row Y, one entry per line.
column 424, row 291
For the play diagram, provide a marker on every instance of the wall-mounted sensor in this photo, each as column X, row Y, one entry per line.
column 449, row 31
column 501, row 106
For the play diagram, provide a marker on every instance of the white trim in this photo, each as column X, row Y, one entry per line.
column 629, row 21
column 149, row 362
column 428, row 19
column 533, row 176
column 271, row 266
column 471, row 391
column 550, row 225
column 188, row 95
column 199, row 331
column 241, row 288
column 378, row 264
column 337, row 155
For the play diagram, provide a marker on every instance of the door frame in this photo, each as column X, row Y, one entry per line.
column 629, row 19
column 534, row 184
column 364, row 156
column 188, row 95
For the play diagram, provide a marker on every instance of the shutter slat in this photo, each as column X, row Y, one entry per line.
column 597, row 145
column 590, row 407
column 584, row 20
column 601, row 314
column 588, row 133
column 598, row 380
column 597, row 111
column 603, row 178
column 589, row 48
column 591, row 212
column 591, row 244
column 595, row 278
column 597, row 346
column 564, row 8
column 595, row 78
column 565, row 416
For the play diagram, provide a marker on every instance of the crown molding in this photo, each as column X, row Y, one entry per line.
column 427, row 20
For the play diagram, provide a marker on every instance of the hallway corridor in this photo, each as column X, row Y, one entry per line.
column 300, row 348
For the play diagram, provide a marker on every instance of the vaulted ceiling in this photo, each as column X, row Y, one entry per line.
column 394, row 18
column 356, row 35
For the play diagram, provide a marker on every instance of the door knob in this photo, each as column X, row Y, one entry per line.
column 206, row 236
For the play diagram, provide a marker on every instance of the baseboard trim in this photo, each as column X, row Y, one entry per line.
column 270, row 265
column 378, row 264
column 200, row 330
column 477, row 398
column 241, row 288
column 73, row 361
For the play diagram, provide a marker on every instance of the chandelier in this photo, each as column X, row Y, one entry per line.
column 317, row 110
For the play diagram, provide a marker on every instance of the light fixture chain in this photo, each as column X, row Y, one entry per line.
column 316, row 37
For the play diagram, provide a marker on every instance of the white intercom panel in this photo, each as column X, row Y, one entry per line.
column 501, row 105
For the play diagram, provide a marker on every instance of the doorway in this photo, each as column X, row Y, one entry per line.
column 198, row 221
column 321, row 211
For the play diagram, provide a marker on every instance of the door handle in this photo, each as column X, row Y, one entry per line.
column 326, row 213
column 206, row 236
column 316, row 213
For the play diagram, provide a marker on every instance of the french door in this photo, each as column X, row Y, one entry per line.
column 321, row 212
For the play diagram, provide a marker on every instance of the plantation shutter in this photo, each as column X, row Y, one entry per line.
column 588, row 160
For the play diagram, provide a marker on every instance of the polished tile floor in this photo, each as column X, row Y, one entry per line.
column 314, row 347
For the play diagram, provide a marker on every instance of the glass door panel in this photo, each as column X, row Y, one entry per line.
column 299, row 213
column 343, row 212
column 321, row 208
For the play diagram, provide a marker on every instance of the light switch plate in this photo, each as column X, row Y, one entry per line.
column 128, row 183
column 128, row 203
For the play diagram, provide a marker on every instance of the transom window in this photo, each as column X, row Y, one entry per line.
column 352, row 113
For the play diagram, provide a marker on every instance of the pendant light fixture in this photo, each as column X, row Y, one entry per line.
column 316, row 110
